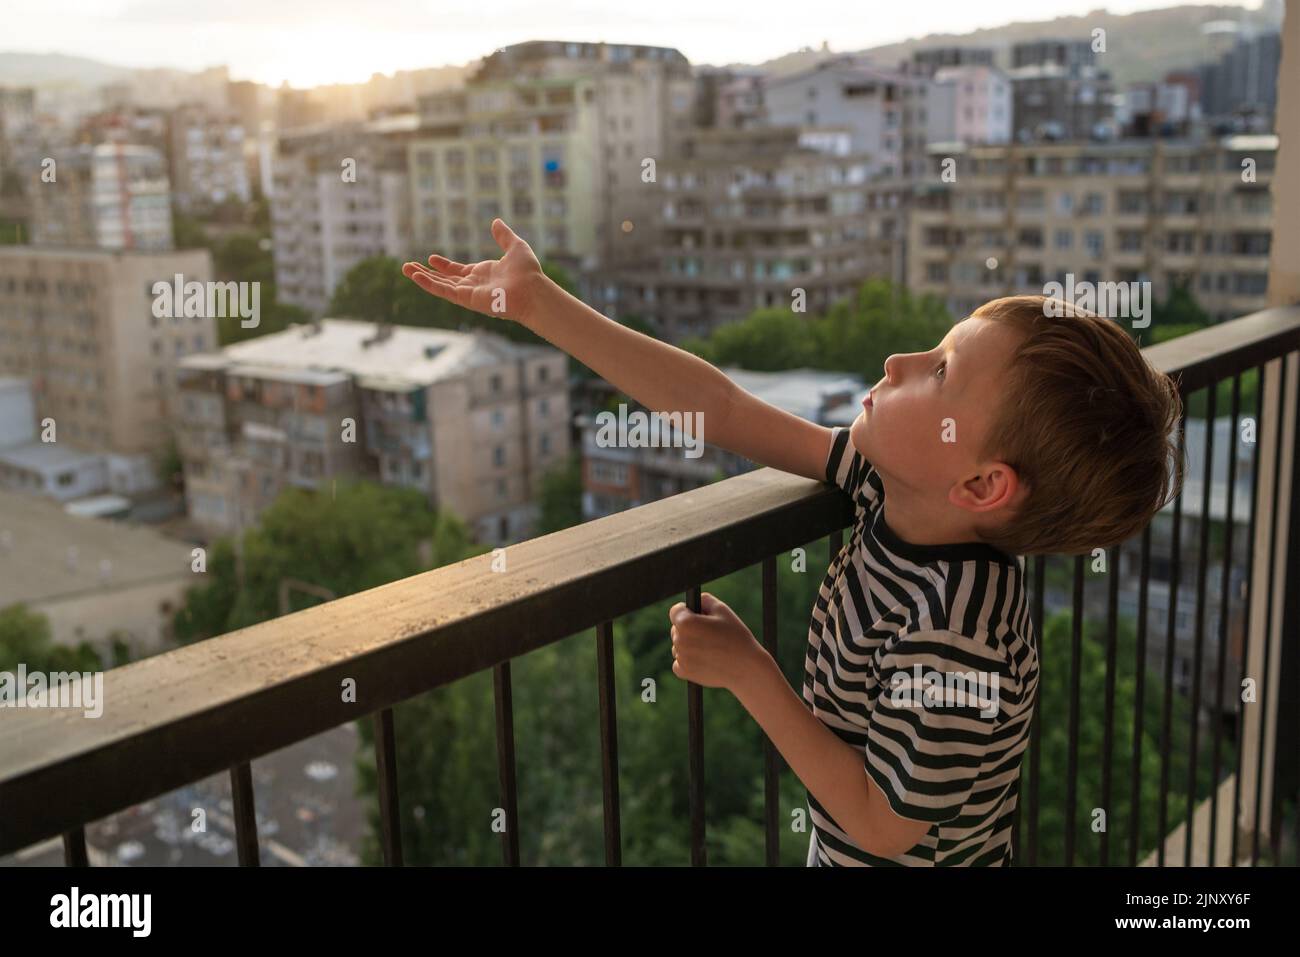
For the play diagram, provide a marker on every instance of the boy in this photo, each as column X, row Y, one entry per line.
column 1018, row 434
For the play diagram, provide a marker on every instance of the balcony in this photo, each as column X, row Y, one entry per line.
column 216, row 705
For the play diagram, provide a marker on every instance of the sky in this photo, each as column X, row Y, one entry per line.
column 310, row 42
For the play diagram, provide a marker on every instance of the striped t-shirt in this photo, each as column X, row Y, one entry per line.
column 923, row 656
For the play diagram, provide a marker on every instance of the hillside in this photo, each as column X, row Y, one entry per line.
column 1139, row 46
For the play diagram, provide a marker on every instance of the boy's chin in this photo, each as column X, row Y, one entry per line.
column 858, row 434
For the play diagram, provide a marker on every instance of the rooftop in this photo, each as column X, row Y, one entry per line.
column 42, row 535
column 408, row 357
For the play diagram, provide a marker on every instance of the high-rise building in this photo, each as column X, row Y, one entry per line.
column 1168, row 212
column 340, row 195
column 110, row 196
column 746, row 219
column 471, row 419
column 1241, row 86
column 969, row 104
column 560, row 140
column 1058, row 90
column 884, row 108
column 208, row 166
column 79, row 325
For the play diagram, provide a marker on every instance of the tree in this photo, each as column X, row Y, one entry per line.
column 561, row 497
column 25, row 639
column 854, row 336
column 359, row 536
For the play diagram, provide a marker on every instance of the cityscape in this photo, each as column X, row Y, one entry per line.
column 222, row 404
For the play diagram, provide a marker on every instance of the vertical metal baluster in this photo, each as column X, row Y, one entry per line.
column 74, row 848
column 241, row 793
column 1072, row 754
column 1171, row 623
column 505, row 718
column 390, row 821
column 1035, row 733
column 1268, row 610
column 608, row 742
column 695, row 747
column 1245, row 614
column 1108, row 732
column 1139, row 701
column 771, row 757
column 1202, row 556
column 1225, row 598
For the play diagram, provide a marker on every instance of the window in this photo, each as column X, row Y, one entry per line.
column 499, row 455
column 545, row 444
column 1064, row 239
column 495, row 383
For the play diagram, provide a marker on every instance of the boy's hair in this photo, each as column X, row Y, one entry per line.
column 1089, row 426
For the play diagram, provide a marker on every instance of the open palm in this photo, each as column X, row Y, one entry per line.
column 505, row 287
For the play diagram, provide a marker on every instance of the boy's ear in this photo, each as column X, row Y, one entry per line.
column 996, row 485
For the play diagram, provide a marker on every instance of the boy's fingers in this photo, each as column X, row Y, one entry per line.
column 443, row 264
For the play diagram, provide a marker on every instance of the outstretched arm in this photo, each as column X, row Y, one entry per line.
column 661, row 377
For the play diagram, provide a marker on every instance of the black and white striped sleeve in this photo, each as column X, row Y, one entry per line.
column 846, row 468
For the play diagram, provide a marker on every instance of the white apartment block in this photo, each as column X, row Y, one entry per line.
column 471, row 419
column 969, row 104
column 340, row 195
column 110, row 196
column 553, row 137
column 1161, row 211
column 78, row 325
column 206, row 148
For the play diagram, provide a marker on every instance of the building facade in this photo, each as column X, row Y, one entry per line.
column 340, row 195
column 79, row 325
column 745, row 218
column 206, row 149
column 109, row 196
column 470, row 419
column 1167, row 212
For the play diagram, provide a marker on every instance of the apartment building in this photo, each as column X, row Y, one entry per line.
column 79, row 325
column 969, row 104
column 728, row 97
column 1058, row 90
column 206, row 148
column 886, row 109
column 111, row 196
column 1158, row 211
column 471, row 419
column 744, row 217
column 340, row 195
column 618, row 476
column 553, row 137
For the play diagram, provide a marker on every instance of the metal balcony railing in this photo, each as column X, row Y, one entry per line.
column 216, row 705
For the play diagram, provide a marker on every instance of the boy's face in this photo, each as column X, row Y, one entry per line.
column 930, row 413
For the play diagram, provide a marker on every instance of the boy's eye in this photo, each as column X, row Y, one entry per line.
column 941, row 368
